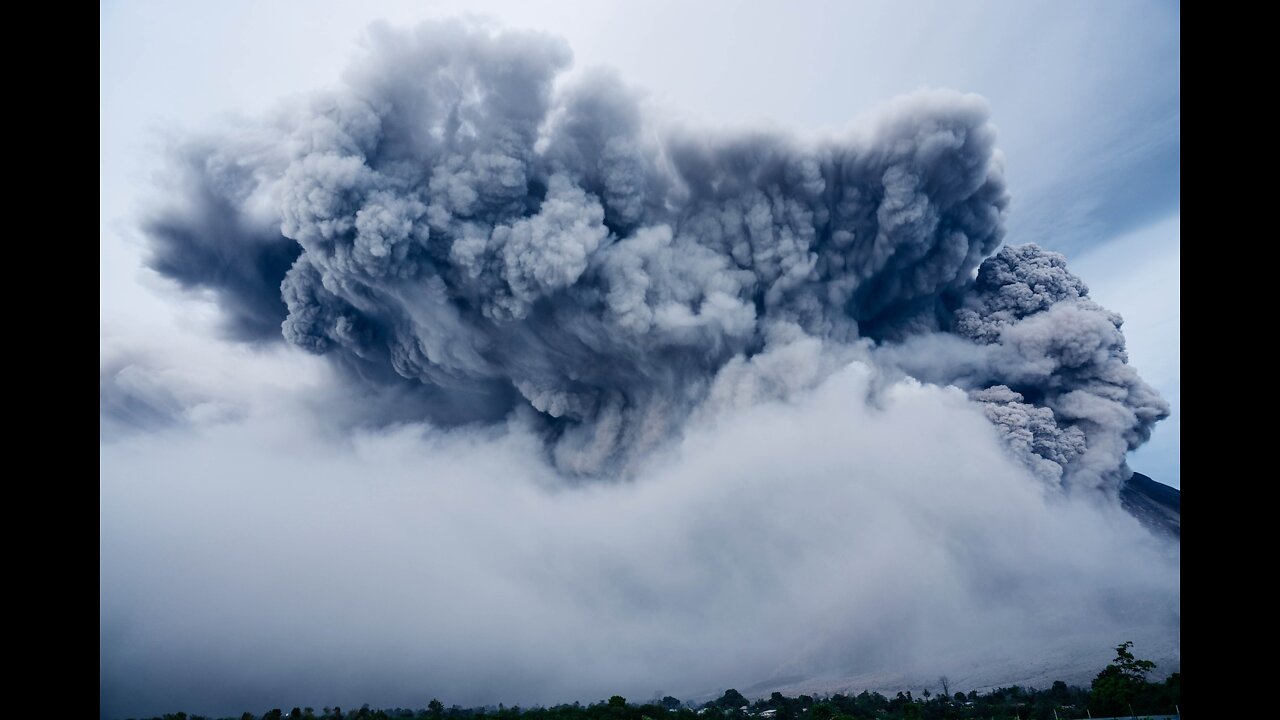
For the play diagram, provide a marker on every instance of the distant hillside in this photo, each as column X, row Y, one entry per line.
column 1156, row 505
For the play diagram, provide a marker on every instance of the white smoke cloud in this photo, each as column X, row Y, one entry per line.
column 817, row 518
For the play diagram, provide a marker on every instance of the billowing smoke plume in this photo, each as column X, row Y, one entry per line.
column 456, row 225
column 1065, row 354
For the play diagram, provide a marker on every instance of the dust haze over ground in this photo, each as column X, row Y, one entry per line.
column 593, row 405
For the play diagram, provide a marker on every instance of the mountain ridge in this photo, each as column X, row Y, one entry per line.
column 1156, row 505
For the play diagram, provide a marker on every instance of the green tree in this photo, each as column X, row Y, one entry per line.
column 1130, row 666
column 1059, row 692
column 731, row 700
column 1114, row 689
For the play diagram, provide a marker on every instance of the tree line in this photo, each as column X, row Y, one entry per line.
column 1121, row 689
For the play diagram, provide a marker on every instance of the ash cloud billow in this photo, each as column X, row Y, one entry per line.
column 453, row 221
column 857, row 436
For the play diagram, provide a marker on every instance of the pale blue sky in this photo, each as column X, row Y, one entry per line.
column 1086, row 97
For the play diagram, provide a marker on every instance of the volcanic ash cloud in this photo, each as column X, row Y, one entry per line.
column 455, row 226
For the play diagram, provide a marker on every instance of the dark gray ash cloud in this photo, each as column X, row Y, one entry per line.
column 1048, row 364
column 1064, row 353
column 454, row 224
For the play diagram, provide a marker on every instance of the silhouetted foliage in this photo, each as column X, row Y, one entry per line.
column 1121, row 685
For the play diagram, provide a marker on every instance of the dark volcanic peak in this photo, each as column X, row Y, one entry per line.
column 1157, row 505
